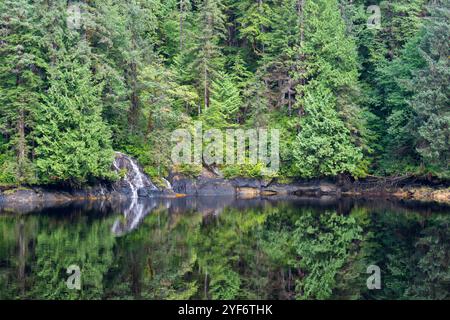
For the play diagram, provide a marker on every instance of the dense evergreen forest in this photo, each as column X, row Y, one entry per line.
column 349, row 97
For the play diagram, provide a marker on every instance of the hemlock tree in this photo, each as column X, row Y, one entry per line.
column 381, row 52
column 225, row 97
column 140, row 27
column 395, row 78
column 254, row 19
column 108, row 38
column 330, row 54
column 431, row 100
column 73, row 143
column 414, row 87
column 278, row 65
column 121, row 35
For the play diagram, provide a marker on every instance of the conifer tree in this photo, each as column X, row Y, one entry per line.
column 254, row 19
column 73, row 142
column 327, row 144
column 380, row 52
column 324, row 146
column 225, row 97
column 21, row 66
column 207, row 53
column 398, row 141
column 431, row 99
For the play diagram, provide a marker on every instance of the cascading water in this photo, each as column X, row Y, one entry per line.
column 167, row 183
column 134, row 177
column 138, row 181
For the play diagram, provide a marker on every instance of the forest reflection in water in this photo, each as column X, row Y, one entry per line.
column 223, row 248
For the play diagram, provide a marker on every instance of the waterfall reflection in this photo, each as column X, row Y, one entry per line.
column 136, row 209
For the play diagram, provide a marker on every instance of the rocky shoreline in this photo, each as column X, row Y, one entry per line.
column 243, row 188
column 135, row 184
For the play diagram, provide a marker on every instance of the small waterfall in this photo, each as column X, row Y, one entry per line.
column 135, row 177
column 167, row 183
column 138, row 180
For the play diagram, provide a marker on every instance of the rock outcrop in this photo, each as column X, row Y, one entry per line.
column 207, row 184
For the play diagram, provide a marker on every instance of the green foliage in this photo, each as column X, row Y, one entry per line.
column 73, row 143
column 323, row 146
column 243, row 170
column 347, row 98
column 225, row 100
column 189, row 170
column 58, row 250
column 431, row 96
column 20, row 87
column 7, row 169
column 399, row 140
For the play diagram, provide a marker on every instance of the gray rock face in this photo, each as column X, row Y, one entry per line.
column 212, row 187
column 202, row 186
column 207, row 185
column 247, row 183
column 305, row 189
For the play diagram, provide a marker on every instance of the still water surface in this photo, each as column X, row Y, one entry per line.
column 223, row 248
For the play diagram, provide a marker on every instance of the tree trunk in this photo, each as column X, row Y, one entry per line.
column 134, row 97
column 206, row 89
column 21, row 143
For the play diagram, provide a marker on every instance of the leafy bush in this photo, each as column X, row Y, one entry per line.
column 189, row 170
column 6, row 171
column 243, row 170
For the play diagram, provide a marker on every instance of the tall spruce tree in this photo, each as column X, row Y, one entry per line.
column 207, row 53
column 380, row 50
column 398, row 141
column 225, row 101
column 73, row 142
column 326, row 144
column 21, row 66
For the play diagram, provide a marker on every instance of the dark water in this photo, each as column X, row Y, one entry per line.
column 222, row 248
